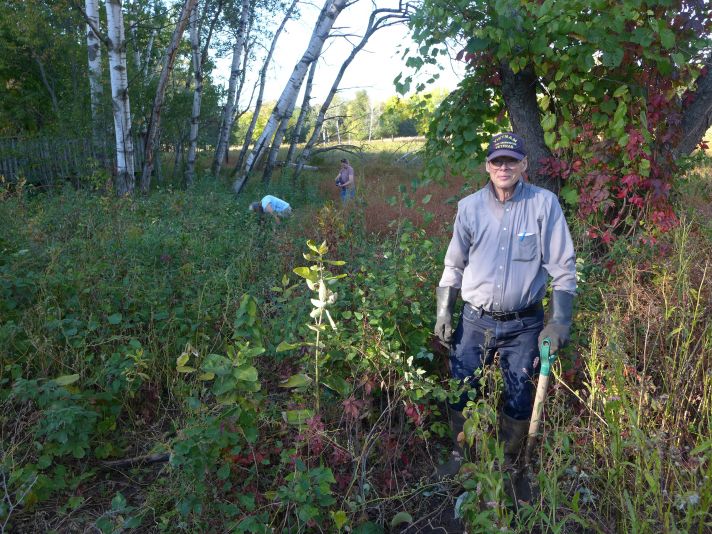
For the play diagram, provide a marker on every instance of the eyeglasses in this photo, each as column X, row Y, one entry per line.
column 509, row 163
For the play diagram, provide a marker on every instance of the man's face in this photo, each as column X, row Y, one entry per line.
column 344, row 164
column 505, row 172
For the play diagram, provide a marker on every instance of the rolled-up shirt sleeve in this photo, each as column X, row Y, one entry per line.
column 558, row 256
column 458, row 253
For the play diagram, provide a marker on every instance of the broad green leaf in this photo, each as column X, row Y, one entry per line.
column 182, row 359
column 306, row 272
column 297, row 417
column 570, row 195
column 115, row 318
column 622, row 90
column 299, row 380
column 548, row 122
column 339, row 518
column 400, row 518
column 185, row 369
column 667, row 38
column 427, row 198
column 66, row 380
column 288, row 346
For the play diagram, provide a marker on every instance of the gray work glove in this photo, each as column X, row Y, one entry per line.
column 559, row 326
column 446, row 297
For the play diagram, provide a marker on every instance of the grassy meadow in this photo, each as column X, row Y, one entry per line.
column 173, row 363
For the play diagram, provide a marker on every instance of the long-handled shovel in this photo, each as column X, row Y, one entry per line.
column 546, row 359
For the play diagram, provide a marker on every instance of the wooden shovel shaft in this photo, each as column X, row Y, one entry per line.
column 541, row 388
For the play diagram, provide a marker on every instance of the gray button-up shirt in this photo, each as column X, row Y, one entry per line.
column 502, row 253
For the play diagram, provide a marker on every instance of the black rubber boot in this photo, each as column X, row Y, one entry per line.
column 513, row 433
column 452, row 467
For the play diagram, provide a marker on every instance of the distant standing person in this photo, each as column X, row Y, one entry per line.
column 276, row 207
column 345, row 181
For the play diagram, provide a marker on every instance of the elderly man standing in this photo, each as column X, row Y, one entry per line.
column 509, row 238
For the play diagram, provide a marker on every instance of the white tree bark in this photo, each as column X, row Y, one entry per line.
column 260, row 95
column 96, row 88
column 325, row 22
column 303, row 112
column 125, row 179
column 197, row 97
column 380, row 18
column 229, row 109
column 198, row 58
column 155, row 121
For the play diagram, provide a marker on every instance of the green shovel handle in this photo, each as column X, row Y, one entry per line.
column 546, row 357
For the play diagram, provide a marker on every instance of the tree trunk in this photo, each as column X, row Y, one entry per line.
column 125, row 180
column 155, row 121
column 276, row 144
column 260, row 94
column 197, row 97
column 302, row 116
column 96, row 88
column 519, row 92
column 697, row 115
column 379, row 18
column 286, row 101
column 229, row 109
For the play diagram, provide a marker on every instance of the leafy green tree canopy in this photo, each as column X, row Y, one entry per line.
column 601, row 91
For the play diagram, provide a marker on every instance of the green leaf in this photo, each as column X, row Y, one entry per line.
column 283, row 346
column 115, row 318
column 185, row 369
column 299, row 380
column 306, row 272
column 570, row 195
column 339, row 518
column 66, row 380
column 550, row 138
column 548, row 122
column 400, row 518
column 182, row 359
column 297, row 417
column 622, row 90
column 427, row 198
column 667, row 38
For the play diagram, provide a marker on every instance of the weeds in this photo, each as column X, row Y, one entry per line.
column 168, row 324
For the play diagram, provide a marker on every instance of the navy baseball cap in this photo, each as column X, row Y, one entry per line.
column 506, row 144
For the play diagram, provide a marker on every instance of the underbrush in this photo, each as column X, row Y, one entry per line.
column 175, row 364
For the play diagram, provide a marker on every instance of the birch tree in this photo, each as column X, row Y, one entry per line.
column 96, row 88
column 198, row 60
column 380, row 18
column 286, row 101
column 125, row 179
column 155, row 121
column 303, row 112
column 231, row 102
column 263, row 81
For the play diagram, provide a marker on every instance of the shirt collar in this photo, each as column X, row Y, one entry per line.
column 515, row 196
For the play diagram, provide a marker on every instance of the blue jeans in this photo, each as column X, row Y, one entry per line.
column 347, row 194
column 478, row 337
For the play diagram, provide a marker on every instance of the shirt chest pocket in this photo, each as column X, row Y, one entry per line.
column 526, row 248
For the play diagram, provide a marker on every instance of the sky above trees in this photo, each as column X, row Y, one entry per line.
column 372, row 70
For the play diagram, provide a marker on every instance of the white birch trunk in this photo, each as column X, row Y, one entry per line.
column 260, row 95
column 125, row 179
column 96, row 88
column 229, row 109
column 154, row 124
column 276, row 144
column 286, row 101
column 303, row 112
column 379, row 18
column 197, row 97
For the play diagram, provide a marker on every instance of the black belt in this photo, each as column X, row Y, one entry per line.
column 529, row 311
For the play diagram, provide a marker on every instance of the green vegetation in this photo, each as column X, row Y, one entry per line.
column 262, row 378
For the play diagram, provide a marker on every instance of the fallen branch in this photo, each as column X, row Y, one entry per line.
column 137, row 461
